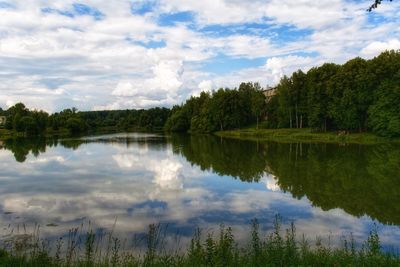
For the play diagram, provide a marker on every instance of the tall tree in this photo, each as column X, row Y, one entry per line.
column 318, row 80
column 258, row 105
column 299, row 97
column 384, row 114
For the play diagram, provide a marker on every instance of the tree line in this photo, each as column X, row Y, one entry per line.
column 34, row 122
column 223, row 109
column 358, row 96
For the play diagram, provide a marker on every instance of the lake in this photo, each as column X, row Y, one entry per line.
column 128, row 181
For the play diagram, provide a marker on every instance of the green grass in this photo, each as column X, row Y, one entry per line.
column 303, row 135
column 88, row 248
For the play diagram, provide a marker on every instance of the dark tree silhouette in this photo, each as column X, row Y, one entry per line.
column 376, row 4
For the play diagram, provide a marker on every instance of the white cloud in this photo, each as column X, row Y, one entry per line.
column 52, row 61
column 374, row 48
column 205, row 85
column 279, row 66
column 10, row 103
column 163, row 85
column 304, row 13
column 125, row 89
column 167, row 76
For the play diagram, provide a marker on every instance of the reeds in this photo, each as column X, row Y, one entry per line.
column 83, row 246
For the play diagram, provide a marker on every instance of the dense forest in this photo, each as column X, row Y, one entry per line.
column 220, row 110
column 358, row 96
column 33, row 122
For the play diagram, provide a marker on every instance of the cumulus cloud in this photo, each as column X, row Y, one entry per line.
column 375, row 48
column 204, row 86
column 305, row 13
column 125, row 89
column 163, row 85
column 279, row 66
column 53, row 55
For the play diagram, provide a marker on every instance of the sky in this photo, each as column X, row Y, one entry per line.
column 121, row 54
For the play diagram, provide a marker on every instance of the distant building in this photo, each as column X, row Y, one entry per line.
column 269, row 92
column 3, row 120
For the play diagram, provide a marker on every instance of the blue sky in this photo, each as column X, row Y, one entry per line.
column 138, row 54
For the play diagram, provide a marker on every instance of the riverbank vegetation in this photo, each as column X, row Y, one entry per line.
column 305, row 135
column 359, row 96
column 22, row 121
column 277, row 248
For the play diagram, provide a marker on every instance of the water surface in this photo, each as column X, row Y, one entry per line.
column 199, row 181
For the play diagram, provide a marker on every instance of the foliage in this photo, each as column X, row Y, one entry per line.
column 75, row 125
column 21, row 119
column 32, row 122
column 278, row 248
column 221, row 110
column 384, row 113
column 360, row 95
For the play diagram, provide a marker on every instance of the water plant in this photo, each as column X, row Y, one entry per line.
column 86, row 247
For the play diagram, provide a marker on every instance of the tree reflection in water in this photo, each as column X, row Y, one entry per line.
column 359, row 179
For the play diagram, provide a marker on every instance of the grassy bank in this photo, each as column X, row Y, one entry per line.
column 303, row 135
column 89, row 248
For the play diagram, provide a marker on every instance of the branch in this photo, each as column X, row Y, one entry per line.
column 375, row 5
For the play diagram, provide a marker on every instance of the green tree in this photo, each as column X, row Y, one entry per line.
column 299, row 97
column 28, row 125
column 258, row 105
column 178, row 121
column 75, row 125
column 350, row 95
column 318, row 80
column 384, row 114
column 285, row 103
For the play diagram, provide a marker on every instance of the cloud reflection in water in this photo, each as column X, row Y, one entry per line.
column 149, row 182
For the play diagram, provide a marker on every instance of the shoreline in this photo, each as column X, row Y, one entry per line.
column 63, row 133
column 304, row 135
column 283, row 135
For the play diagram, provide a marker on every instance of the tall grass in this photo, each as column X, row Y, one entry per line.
column 85, row 247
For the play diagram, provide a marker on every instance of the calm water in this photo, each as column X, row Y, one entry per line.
column 189, row 181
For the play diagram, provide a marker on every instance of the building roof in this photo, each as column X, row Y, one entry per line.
column 268, row 89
